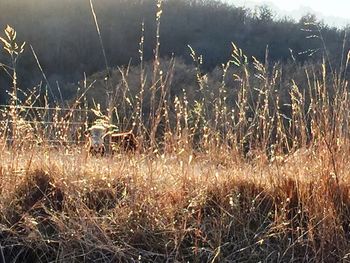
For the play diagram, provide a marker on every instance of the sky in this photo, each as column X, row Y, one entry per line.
column 335, row 12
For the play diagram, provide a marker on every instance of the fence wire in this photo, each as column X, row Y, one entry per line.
column 51, row 125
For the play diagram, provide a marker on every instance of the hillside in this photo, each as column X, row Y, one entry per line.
column 63, row 35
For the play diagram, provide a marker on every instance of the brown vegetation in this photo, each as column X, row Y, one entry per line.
column 174, row 208
column 245, row 169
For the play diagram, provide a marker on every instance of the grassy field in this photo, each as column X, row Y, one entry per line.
column 60, row 207
column 256, row 171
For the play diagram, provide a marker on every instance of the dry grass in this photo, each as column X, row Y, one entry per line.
column 59, row 207
column 254, row 172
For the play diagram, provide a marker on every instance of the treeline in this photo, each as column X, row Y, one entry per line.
column 63, row 35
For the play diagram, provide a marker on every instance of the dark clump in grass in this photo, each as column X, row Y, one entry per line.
column 104, row 195
column 36, row 195
column 28, row 216
column 343, row 209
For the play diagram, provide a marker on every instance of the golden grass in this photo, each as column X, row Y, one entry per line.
column 254, row 172
column 72, row 208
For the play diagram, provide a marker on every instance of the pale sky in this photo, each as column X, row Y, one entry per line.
column 335, row 12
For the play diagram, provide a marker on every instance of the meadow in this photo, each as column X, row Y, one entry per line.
column 253, row 171
column 59, row 207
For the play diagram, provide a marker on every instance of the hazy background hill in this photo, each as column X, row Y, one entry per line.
column 64, row 37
